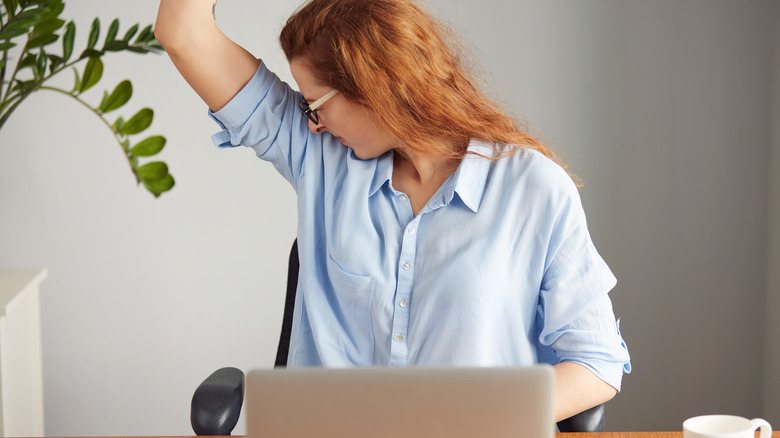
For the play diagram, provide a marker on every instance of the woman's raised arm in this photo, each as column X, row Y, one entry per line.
column 214, row 66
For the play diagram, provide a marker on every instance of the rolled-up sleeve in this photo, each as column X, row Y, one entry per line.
column 264, row 116
column 578, row 322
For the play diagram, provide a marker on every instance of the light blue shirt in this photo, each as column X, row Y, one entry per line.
column 498, row 269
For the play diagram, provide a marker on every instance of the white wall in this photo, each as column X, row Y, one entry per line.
column 663, row 108
column 145, row 297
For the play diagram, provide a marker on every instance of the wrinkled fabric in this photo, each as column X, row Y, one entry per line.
column 498, row 269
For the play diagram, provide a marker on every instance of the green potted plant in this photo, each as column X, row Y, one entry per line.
column 29, row 30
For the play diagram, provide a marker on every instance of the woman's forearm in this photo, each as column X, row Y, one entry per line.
column 578, row 389
column 180, row 21
column 214, row 66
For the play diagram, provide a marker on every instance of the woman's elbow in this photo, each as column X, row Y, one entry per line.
column 165, row 33
column 173, row 24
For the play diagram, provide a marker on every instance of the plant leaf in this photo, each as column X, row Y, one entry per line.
column 118, row 97
column 13, row 33
column 28, row 61
column 103, row 100
column 67, row 40
column 149, row 146
column 54, row 62
column 112, row 30
column 138, row 49
column 6, row 45
column 160, row 186
column 46, row 27
column 26, row 18
column 42, row 41
column 144, row 35
column 94, row 34
column 77, row 82
column 115, row 46
column 90, row 53
column 92, row 74
column 23, row 86
column 120, row 122
column 153, row 171
column 154, row 46
column 130, row 33
column 10, row 6
column 41, row 61
column 140, row 121
column 49, row 19
column 53, row 8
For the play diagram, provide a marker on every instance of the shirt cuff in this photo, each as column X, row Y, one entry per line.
column 610, row 365
column 233, row 115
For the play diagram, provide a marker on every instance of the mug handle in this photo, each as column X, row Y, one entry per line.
column 766, row 428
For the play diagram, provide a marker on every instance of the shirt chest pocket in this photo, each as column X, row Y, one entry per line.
column 350, row 298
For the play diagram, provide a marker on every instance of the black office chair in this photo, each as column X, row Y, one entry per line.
column 216, row 403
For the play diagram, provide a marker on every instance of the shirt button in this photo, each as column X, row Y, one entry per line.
column 406, row 266
column 399, row 338
column 402, row 303
column 411, row 230
column 402, row 198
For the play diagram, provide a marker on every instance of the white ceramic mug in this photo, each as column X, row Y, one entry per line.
column 725, row 426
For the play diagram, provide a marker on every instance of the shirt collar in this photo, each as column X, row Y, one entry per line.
column 471, row 177
column 384, row 171
column 468, row 181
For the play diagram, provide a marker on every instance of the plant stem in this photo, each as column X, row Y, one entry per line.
column 2, row 73
column 4, row 115
column 5, row 52
column 16, row 69
column 5, row 55
column 103, row 119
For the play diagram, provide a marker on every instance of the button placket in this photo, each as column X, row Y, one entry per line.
column 405, row 276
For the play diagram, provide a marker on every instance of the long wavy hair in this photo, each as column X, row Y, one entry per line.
column 393, row 56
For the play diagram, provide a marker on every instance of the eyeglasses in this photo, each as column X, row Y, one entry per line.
column 311, row 110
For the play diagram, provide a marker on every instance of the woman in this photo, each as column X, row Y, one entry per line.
column 432, row 231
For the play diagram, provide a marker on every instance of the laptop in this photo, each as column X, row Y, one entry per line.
column 401, row 403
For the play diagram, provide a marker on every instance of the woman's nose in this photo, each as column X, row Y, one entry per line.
column 317, row 128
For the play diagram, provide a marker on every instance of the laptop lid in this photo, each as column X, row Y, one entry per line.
column 401, row 402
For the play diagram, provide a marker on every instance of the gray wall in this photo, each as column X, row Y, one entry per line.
column 663, row 107
column 772, row 343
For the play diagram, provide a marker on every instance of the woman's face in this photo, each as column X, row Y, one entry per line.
column 356, row 126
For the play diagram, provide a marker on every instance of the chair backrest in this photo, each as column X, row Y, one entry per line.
column 289, row 306
column 591, row 420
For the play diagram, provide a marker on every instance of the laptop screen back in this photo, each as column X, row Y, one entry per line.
column 401, row 402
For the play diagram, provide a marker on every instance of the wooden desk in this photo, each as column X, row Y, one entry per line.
column 631, row 435
column 679, row 434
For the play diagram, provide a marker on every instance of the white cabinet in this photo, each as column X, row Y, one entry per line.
column 21, row 377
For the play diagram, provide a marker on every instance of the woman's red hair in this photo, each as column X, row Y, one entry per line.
column 392, row 56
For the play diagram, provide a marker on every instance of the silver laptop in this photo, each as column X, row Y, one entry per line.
column 401, row 403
